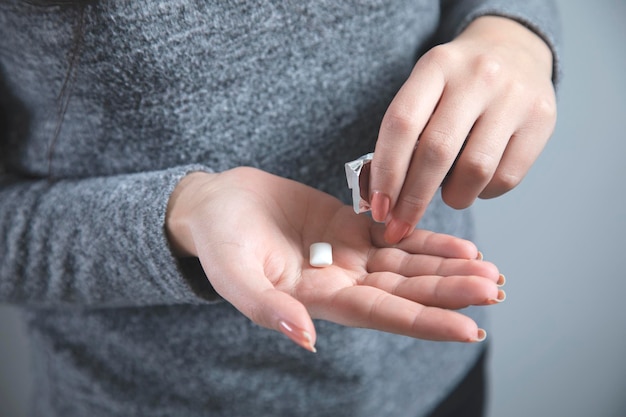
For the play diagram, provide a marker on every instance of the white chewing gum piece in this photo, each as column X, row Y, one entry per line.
column 321, row 254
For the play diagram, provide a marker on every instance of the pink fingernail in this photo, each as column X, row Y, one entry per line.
column 380, row 204
column 501, row 297
column 396, row 231
column 501, row 280
column 299, row 336
column 480, row 336
column 479, row 256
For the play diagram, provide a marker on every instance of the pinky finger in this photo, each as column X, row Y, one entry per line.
column 523, row 149
column 513, row 167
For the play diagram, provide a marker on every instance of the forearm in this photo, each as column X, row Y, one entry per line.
column 92, row 241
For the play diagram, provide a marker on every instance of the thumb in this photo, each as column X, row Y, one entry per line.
column 279, row 309
column 247, row 288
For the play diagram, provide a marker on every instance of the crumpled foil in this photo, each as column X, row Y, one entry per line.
column 358, row 177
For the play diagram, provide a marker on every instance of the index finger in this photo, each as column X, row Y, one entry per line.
column 427, row 242
column 400, row 129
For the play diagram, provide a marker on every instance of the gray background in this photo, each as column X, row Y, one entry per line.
column 559, row 340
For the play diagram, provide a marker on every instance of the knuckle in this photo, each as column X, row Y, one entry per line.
column 382, row 168
column 412, row 203
column 255, row 314
column 544, row 108
column 506, row 181
column 479, row 166
column 399, row 122
column 517, row 89
column 419, row 319
column 439, row 146
column 385, row 175
column 488, row 67
column 440, row 55
column 455, row 200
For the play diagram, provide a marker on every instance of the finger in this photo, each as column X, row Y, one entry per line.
column 400, row 128
column 412, row 265
column 438, row 148
column 369, row 307
column 452, row 292
column 477, row 163
column 429, row 243
column 241, row 281
column 523, row 149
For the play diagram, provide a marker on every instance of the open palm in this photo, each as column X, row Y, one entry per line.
column 252, row 232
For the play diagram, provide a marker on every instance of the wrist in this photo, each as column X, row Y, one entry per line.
column 508, row 33
column 180, row 207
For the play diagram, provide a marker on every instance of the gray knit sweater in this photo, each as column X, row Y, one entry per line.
column 119, row 327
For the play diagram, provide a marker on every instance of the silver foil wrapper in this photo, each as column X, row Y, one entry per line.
column 358, row 177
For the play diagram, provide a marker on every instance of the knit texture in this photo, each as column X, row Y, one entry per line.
column 120, row 327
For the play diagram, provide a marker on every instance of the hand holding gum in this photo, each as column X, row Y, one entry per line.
column 321, row 254
column 358, row 176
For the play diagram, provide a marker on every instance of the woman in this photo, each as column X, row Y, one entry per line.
column 168, row 163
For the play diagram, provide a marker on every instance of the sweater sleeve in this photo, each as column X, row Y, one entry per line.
column 540, row 16
column 96, row 241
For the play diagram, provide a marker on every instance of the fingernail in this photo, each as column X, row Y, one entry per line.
column 501, row 297
column 480, row 336
column 501, row 280
column 396, row 230
column 380, row 204
column 479, row 256
column 297, row 335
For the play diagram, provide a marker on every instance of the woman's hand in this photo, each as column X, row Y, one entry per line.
column 488, row 93
column 252, row 232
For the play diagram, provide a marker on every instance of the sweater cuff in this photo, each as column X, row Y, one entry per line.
column 185, row 279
